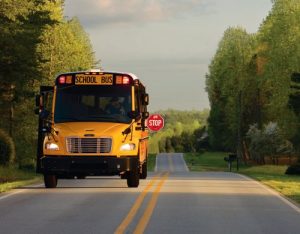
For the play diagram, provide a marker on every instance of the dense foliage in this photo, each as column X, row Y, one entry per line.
column 249, row 79
column 37, row 42
column 184, row 131
column 7, row 149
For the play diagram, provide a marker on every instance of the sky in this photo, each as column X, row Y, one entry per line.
column 168, row 44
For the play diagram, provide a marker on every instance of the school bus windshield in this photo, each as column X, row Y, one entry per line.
column 93, row 104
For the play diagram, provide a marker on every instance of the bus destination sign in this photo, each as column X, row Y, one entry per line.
column 87, row 79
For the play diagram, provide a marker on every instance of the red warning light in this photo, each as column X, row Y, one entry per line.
column 126, row 80
column 123, row 80
column 62, row 80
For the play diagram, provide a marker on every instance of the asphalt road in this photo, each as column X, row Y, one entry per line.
column 171, row 200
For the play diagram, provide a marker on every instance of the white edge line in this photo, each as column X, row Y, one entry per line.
column 19, row 191
column 277, row 194
column 11, row 194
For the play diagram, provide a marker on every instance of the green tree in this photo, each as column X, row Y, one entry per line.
column 21, row 24
column 36, row 43
column 64, row 47
column 230, row 88
column 279, row 37
column 249, row 78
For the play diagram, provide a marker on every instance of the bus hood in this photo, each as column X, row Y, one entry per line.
column 85, row 129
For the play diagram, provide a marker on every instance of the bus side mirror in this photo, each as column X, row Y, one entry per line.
column 38, row 104
column 145, row 115
column 38, row 100
column 46, row 129
column 145, row 99
column 44, row 114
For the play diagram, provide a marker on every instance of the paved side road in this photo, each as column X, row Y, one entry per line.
column 171, row 200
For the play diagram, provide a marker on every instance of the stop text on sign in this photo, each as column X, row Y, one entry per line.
column 155, row 122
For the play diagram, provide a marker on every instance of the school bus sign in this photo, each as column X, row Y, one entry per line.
column 155, row 122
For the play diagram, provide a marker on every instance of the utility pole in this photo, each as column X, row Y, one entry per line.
column 11, row 109
column 239, row 129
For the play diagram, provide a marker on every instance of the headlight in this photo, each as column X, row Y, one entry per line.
column 52, row 146
column 127, row 147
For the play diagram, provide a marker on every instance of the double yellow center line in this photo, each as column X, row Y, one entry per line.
column 143, row 222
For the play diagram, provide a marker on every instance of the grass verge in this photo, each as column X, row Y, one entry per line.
column 271, row 175
column 208, row 161
column 11, row 177
column 151, row 162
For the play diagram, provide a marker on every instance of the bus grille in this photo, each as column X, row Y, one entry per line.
column 89, row 145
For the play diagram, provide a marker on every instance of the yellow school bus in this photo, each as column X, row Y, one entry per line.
column 91, row 124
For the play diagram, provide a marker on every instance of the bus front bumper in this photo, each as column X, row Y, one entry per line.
column 88, row 165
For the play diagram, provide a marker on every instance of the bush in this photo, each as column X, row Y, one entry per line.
column 7, row 149
column 293, row 170
column 267, row 142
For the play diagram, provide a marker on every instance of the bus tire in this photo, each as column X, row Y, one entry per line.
column 133, row 179
column 143, row 174
column 50, row 181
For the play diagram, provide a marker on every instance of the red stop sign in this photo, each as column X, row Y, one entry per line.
column 155, row 122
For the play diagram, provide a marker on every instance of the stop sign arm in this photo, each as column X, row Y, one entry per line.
column 155, row 122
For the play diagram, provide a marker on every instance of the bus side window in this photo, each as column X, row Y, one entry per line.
column 139, row 95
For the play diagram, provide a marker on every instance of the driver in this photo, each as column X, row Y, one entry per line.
column 115, row 107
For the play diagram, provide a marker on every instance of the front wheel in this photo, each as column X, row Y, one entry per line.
column 133, row 179
column 50, row 181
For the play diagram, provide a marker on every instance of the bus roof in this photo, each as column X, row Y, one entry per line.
column 100, row 72
column 66, row 78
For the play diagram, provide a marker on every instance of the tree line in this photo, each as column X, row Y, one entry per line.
column 248, row 85
column 37, row 42
column 184, row 131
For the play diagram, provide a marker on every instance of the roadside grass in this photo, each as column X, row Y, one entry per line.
column 151, row 162
column 270, row 175
column 274, row 177
column 208, row 161
column 11, row 177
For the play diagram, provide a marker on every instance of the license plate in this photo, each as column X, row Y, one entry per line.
column 85, row 79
